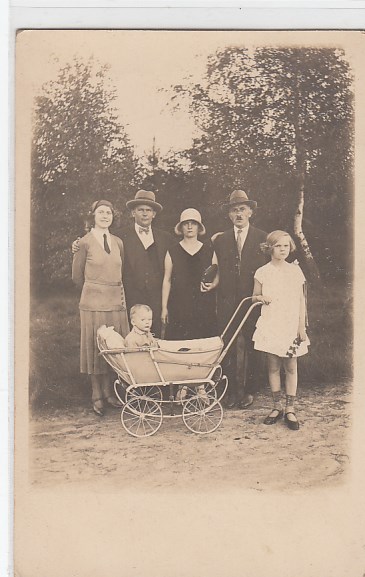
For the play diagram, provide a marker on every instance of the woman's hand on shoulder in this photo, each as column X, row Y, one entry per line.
column 75, row 247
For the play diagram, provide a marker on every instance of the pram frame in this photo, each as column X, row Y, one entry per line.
column 193, row 406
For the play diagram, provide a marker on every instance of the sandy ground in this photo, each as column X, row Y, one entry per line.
column 73, row 446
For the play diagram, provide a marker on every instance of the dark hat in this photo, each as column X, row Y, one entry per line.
column 240, row 197
column 144, row 197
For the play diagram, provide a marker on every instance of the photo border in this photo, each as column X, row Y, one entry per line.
column 31, row 17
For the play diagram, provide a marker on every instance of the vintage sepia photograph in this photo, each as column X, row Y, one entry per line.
column 184, row 299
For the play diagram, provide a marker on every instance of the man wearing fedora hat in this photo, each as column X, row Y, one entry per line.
column 145, row 249
column 239, row 256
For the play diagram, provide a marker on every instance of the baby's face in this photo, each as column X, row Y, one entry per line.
column 143, row 320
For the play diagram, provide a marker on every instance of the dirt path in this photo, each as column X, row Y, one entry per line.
column 75, row 447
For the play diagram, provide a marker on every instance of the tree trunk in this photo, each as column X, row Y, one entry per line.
column 310, row 263
column 300, row 168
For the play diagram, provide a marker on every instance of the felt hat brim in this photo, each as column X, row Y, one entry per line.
column 131, row 204
column 178, row 230
column 251, row 203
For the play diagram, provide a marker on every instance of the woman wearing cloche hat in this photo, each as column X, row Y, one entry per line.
column 188, row 305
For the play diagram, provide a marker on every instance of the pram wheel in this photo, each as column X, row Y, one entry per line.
column 200, row 417
column 152, row 392
column 141, row 416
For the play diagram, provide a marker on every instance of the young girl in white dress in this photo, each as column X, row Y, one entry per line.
column 281, row 328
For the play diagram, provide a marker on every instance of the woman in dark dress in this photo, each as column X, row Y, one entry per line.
column 188, row 305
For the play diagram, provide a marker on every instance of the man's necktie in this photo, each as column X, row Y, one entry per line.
column 145, row 229
column 239, row 242
column 106, row 246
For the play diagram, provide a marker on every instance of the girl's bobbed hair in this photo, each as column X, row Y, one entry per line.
column 272, row 239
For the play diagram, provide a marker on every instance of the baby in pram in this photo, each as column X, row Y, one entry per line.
column 141, row 336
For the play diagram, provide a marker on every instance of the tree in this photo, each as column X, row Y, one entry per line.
column 272, row 121
column 307, row 101
column 80, row 153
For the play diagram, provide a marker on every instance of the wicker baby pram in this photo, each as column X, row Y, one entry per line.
column 193, row 367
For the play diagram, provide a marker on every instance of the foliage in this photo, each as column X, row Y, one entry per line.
column 274, row 122
column 80, row 153
column 256, row 111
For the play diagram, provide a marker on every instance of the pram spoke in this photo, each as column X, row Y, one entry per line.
column 151, row 392
column 203, row 395
column 141, row 417
column 202, row 418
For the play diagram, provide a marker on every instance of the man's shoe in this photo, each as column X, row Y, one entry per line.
column 246, row 402
column 230, row 403
column 98, row 407
column 114, row 402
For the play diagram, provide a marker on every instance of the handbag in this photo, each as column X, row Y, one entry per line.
column 209, row 274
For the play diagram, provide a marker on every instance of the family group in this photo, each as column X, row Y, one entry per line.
column 165, row 273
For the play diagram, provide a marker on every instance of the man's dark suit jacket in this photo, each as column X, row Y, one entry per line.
column 143, row 284
column 236, row 277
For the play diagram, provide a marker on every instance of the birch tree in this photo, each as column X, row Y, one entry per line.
column 269, row 119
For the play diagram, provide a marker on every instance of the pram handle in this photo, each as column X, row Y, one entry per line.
column 234, row 336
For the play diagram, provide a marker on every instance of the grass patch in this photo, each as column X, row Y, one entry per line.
column 55, row 379
column 330, row 357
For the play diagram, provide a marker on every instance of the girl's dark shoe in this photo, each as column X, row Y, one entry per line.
column 98, row 407
column 291, row 424
column 273, row 417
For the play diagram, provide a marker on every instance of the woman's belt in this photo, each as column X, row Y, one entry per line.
column 103, row 282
